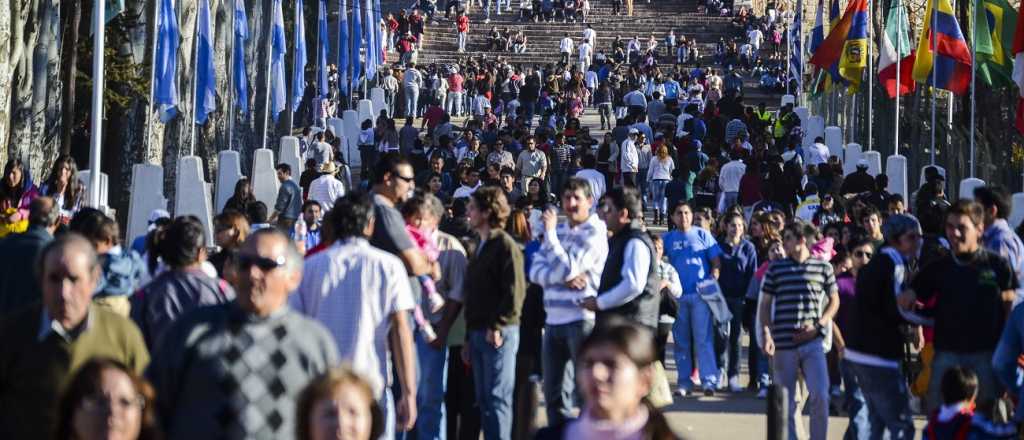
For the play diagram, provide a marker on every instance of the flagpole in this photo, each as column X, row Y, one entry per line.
column 195, row 84
column 266, row 112
column 871, row 70
column 931, row 30
column 152, row 81
column 231, row 82
column 974, row 69
column 98, row 15
column 789, row 54
column 899, row 60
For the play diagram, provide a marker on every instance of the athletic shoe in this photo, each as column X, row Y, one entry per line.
column 734, row 384
column 709, row 391
column 682, row 392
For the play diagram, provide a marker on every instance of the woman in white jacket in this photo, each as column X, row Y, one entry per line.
column 659, row 172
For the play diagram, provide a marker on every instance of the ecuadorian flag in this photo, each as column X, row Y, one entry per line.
column 847, row 45
column 948, row 67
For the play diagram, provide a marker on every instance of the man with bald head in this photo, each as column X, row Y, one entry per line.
column 46, row 342
column 18, row 254
column 235, row 370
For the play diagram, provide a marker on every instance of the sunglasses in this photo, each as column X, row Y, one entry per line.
column 246, row 262
column 862, row 254
column 407, row 179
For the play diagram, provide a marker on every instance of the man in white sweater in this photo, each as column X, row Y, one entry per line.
column 629, row 159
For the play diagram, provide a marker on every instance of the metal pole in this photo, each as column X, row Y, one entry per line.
column 974, row 69
column 152, row 80
column 871, row 70
column 789, row 55
column 231, row 83
column 195, row 85
column 931, row 29
column 266, row 109
column 899, row 40
column 853, row 118
column 98, row 15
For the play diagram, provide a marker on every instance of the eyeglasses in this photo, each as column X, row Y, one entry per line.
column 407, row 179
column 246, row 262
column 98, row 404
column 863, row 254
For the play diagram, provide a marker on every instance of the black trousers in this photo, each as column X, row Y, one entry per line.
column 463, row 413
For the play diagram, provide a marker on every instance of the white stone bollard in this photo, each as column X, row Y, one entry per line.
column 787, row 99
column 83, row 176
column 815, row 128
column 192, row 193
column 336, row 126
column 1017, row 212
column 874, row 159
column 967, row 187
column 366, row 112
column 351, row 135
column 289, row 154
column 896, row 169
column 834, row 140
column 377, row 98
column 854, row 152
column 264, row 178
column 147, row 195
column 229, row 171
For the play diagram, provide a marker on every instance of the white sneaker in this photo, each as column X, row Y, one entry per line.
column 763, row 394
column 682, row 392
column 734, row 384
column 487, row 20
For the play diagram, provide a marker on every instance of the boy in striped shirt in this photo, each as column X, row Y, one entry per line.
column 803, row 293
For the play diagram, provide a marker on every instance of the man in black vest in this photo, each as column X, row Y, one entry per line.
column 629, row 284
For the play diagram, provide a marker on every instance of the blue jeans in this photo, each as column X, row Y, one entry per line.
column 494, row 371
column 810, row 359
column 658, row 195
column 694, row 321
column 888, row 400
column 561, row 348
column 854, row 404
column 433, row 377
column 412, row 97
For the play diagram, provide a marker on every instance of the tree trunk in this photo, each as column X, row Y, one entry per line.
column 69, row 54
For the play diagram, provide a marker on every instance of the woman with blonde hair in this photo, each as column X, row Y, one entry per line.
column 230, row 231
column 659, row 172
column 338, row 405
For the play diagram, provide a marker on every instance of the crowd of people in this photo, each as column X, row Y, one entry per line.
column 430, row 290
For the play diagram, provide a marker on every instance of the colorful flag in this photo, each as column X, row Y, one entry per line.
column 995, row 21
column 817, row 37
column 371, row 41
column 299, row 59
column 278, row 91
column 321, row 51
column 206, row 80
column 894, row 52
column 1018, row 71
column 355, row 43
column 239, row 71
column 796, row 59
column 343, row 49
column 949, row 66
column 165, row 81
column 847, row 45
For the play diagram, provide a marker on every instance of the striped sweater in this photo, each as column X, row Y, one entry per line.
column 800, row 291
column 564, row 255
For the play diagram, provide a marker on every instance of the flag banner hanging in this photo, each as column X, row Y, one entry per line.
column 343, row 48
column 949, row 66
column 299, row 59
column 847, row 45
column 206, row 80
column 995, row 21
column 895, row 52
column 239, row 70
column 1018, row 71
column 796, row 60
column 371, row 42
column 355, row 43
column 322, row 48
column 165, row 81
column 278, row 92
column 817, row 37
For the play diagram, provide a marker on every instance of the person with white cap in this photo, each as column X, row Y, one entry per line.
column 858, row 181
column 630, row 158
column 139, row 243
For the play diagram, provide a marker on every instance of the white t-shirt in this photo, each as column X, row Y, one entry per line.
column 585, row 52
column 755, row 36
column 590, row 36
column 565, row 45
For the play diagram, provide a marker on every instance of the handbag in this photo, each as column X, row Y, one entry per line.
column 661, row 393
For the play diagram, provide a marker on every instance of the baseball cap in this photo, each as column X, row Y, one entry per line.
column 863, row 163
column 634, row 131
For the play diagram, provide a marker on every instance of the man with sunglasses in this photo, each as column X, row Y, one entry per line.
column 237, row 369
column 872, row 327
column 393, row 182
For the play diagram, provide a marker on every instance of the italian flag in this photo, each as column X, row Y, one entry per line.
column 895, row 52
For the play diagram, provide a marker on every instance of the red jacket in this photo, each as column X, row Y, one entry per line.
column 462, row 24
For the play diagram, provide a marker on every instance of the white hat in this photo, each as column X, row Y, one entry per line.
column 634, row 131
column 863, row 163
